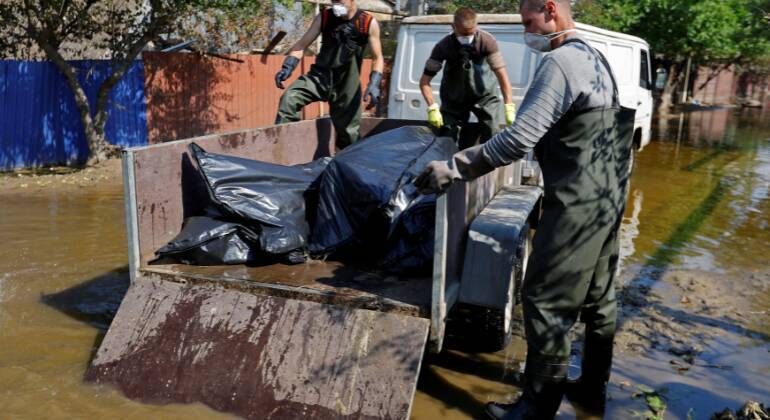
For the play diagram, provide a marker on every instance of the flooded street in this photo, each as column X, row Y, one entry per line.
column 694, row 290
column 62, row 275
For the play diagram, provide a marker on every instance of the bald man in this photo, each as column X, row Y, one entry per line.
column 582, row 138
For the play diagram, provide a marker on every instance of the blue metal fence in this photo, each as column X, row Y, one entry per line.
column 39, row 121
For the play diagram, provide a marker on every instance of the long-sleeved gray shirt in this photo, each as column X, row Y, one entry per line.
column 570, row 77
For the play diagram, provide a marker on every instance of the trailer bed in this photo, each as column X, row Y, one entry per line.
column 320, row 339
column 328, row 282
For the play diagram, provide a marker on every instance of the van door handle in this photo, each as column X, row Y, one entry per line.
column 400, row 97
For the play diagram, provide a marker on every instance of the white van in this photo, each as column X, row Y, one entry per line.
column 628, row 55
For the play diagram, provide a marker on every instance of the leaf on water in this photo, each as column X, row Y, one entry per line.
column 656, row 404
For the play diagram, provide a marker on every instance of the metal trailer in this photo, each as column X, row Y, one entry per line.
column 319, row 339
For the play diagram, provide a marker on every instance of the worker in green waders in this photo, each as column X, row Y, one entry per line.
column 472, row 68
column 582, row 138
column 336, row 75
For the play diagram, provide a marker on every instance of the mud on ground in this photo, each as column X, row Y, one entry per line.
column 685, row 309
column 60, row 178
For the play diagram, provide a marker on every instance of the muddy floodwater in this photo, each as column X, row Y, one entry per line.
column 694, row 289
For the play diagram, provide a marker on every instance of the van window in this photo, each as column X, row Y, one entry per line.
column 622, row 59
column 517, row 57
column 644, row 72
column 424, row 41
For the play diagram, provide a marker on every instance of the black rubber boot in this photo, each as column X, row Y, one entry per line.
column 520, row 409
column 544, row 380
column 589, row 391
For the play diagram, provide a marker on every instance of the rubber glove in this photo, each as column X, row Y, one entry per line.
column 434, row 116
column 464, row 165
column 289, row 64
column 510, row 113
column 372, row 93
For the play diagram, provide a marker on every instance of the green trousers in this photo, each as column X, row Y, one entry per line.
column 488, row 110
column 572, row 268
column 341, row 89
column 571, row 273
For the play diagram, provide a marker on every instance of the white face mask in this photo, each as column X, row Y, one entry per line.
column 542, row 43
column 339, row 10
column 465, row 40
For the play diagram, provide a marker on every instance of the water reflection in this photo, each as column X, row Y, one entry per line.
column 629, row 230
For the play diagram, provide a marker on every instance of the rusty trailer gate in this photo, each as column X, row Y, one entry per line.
column 318, row 340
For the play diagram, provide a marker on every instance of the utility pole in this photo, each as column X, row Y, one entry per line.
column 687, row 79
column 415, row 7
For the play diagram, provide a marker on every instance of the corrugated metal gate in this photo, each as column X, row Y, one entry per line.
column 40, row 123
column 167, row 96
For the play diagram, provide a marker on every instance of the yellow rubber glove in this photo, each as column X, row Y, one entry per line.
column 434, row 116
column 510, row 113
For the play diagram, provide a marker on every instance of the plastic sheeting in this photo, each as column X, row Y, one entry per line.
column 256, row 212
column 361, row 206
column 266, row 197
column 207, row 241
column 368, row 207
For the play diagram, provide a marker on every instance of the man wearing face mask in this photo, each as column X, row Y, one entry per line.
column 582, row 138
column 471, row 61
column 335, row 76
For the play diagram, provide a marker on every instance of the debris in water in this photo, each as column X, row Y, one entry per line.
column 750, row 411
column 687, row 352
column 655, row 402
column 679, row 367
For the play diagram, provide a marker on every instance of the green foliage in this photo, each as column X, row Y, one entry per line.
column 711, row 31
column 480, row 6
column 74, row 27
column 615, row 15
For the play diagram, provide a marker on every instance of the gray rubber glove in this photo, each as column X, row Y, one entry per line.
column 289, row 64
column 465, row 165
column 372, row 93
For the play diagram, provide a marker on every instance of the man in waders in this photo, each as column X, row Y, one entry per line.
column 582, row 139
column 335, row 77
column 473, row 61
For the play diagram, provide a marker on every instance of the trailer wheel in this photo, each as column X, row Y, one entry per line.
column 480, row 329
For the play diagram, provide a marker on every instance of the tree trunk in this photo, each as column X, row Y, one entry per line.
column 667, row 96
column 98, row 147
column 94, row 130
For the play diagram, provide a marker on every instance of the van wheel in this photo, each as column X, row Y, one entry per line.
column 479, row 329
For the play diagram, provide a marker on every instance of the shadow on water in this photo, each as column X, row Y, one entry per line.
column 673, row 246
column 95, row 301
column 709, row 158
column 440, row 388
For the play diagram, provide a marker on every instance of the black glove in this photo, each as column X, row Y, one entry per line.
column 465, row 165
column 372, row 93
column 289, row 64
